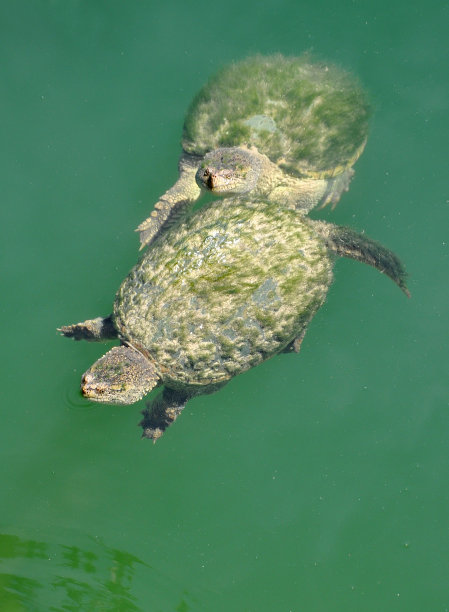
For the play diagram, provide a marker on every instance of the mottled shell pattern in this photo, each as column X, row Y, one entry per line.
column 309, row 118
column 224, row 291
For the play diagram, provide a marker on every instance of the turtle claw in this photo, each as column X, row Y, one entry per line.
column 337, row 186
column 152, row 433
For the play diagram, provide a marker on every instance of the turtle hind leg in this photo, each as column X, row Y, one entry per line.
column 93, row 330
column 336, row 187
column 346, row 242
column 295, row 345
column 162, row 412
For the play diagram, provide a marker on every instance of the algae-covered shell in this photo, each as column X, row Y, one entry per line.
column 308, row 117
column 224, row 291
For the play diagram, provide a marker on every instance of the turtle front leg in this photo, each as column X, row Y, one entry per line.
column 162, row 412
column 93, row 330
column 173, row 203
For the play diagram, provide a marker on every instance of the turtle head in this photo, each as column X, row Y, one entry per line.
column 122, row 376
column 229, row 171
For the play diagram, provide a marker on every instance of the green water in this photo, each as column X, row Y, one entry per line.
column 315, row 482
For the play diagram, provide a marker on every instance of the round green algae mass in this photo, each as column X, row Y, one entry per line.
column 310, row 118
column 223, row 291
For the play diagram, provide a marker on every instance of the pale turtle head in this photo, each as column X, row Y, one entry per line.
column 122, row 376
column 229, row 171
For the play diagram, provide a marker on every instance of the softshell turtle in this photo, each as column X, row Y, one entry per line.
column 232, row 285
column 281, row 129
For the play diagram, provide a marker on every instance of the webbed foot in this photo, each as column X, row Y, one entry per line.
column 336, row 187
column 162, row 412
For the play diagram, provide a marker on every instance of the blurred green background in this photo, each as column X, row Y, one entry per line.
column 314, row 482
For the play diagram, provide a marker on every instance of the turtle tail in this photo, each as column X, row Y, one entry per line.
column 345, row 242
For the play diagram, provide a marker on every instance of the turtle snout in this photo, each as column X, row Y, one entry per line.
column 209, row 179
column 91, row 388
column 206, row 178
column 218, row 180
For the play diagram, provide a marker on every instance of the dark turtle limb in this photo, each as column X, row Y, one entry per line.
column 346, row 242
column 93, row 330
column 167, row 406
column 161, row 412
column 174, row 203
